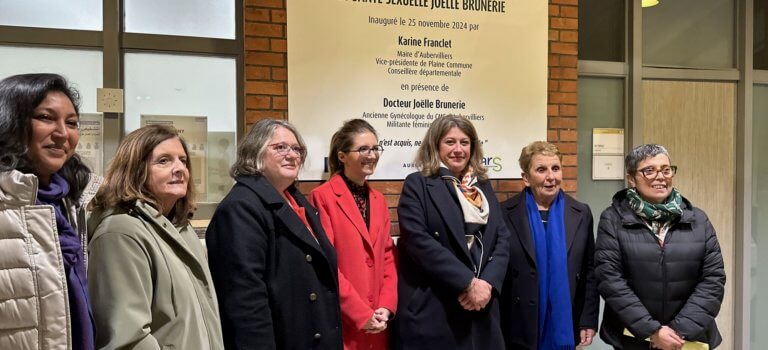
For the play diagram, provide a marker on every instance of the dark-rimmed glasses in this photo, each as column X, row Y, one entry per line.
column 651, row 173
column 365, row 150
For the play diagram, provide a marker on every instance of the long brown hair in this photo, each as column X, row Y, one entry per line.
column 128, row 173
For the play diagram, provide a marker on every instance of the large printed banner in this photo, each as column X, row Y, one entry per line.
column 399, row 64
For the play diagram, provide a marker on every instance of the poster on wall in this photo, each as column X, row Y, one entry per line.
column 90, row 147
column 400, row 64
column 194, row 130
column 607, row 154
column 221, row 157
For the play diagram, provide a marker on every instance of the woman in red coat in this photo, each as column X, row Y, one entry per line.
column 356, row 220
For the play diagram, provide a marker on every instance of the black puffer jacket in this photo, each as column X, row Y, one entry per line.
column 645, row 285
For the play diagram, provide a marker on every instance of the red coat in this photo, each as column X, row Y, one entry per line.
column 366, row 262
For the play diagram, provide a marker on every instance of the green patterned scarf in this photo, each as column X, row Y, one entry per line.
column 661, row 213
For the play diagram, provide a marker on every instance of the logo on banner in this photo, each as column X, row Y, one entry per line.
column 493, row 163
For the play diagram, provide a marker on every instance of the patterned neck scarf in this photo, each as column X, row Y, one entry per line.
column 468, row 188
column 471, row 198
column 661, row 213
column 475, row 209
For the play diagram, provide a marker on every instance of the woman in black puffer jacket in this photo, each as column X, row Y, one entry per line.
column 658, row 261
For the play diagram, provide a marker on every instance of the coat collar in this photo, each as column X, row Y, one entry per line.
column 180, row 238
column 574, row 216
column 347, row 204
column 21, row 189
column 620, row 204
column 450, row 211
column 17, row 188
column 285, row 214
column 517, row 215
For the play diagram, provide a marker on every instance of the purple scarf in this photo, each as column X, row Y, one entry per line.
column 74, row 266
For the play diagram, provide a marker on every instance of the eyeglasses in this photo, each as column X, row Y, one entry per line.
column 651, row 173
column 283, row 149
column 365, row 150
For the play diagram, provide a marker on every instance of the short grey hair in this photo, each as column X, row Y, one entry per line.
column 639, row 153
column 251, row 150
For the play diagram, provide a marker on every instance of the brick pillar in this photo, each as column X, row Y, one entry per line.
column 563, row 84
column 266, row 72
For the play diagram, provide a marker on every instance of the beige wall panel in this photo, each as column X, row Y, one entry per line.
column 696, row 121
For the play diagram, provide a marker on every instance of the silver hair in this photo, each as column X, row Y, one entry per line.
column 250, row 152
column 637, row 154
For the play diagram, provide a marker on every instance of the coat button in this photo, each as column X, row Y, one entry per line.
column 490, row 258
column 318, row 335
column 517, row 300
column 437, row 234
column 369, row 262
column 533, row 273
column 308, row 258
column 312, row 296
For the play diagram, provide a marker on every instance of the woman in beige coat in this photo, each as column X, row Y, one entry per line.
column 151, row 286
column 44, row 189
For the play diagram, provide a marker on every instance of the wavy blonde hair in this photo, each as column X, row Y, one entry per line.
column 428, row 155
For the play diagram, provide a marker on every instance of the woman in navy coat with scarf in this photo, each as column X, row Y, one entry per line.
column 550, row 298
column 273, row 267
column 453, row 247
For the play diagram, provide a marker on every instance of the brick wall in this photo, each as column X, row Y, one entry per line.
column 266, row 90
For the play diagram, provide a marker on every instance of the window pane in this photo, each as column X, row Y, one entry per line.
column 82, row 68
column 760, row 35
column 601, row 105
column 601, row 30
column 200, row 18
column 73, row 14
column 759, row 263
column 690, row 33
column 184, row 89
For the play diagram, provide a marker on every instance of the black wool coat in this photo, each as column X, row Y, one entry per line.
column 520, row 299
column 646, row 285
column 277, row 286
column 435, row 268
